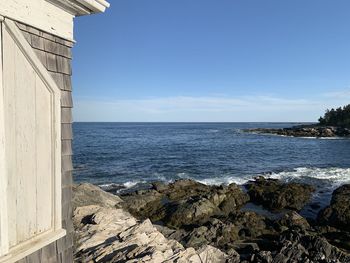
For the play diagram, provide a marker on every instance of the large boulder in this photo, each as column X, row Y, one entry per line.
column 86, row 194
column 184, row 202
column 144, row 204
column 189, row 212
column 291, row 220
column 337, row 214
column 276, row 196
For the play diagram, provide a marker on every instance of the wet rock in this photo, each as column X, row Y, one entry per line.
column 338, row 239
column 189, row 212
column 276, row 196
column 215, row 233
column 262, row 257
column 292, row 220
column 337, row 214
column 113, row 188
column 184, row 188
column 144, row 204
column 159, row 186
column 225, row 233
column 184, row 202
column 299, row 246
column 230, row 198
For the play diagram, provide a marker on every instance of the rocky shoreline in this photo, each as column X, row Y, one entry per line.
column 104, row 232
column 186, row 221
column 305, row 131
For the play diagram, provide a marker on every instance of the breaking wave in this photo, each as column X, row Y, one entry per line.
column 322, row 178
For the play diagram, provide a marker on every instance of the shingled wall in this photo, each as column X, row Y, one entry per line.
column 55, row 54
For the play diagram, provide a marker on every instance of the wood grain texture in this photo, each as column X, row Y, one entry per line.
column 4, row 237
column 24, row 101
column 66, row 99
column 44, row 205
column 66, row 116
column 10, row 120
column 32, row 129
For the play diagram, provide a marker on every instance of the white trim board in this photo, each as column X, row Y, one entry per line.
column 51, row 16
column 33, row 245
column 81, row 7
column 40, row 14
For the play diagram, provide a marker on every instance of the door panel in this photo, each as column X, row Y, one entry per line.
column 31, row 152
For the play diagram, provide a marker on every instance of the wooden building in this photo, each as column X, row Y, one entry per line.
column 36, row 127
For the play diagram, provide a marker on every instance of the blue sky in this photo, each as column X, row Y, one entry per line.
column 210, row 60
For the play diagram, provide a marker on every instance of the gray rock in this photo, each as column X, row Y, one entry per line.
column 88, row 194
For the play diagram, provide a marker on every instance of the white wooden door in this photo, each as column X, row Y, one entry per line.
column 30, row 134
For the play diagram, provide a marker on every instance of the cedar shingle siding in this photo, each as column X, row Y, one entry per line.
column 55, row 54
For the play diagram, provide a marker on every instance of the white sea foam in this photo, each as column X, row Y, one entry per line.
column 223, row 180
column 131, row 184
column 334, row 176
column 103, row 186
column 328, row 177
column 325, row 178
column 128, row 184
column 183, row 176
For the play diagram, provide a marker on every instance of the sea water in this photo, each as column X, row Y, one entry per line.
column 129, row 155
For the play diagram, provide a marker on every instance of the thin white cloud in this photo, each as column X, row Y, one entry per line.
column 340, row 94
column 206, row 108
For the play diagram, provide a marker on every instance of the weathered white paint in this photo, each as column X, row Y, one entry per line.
column 30, row 116
column 31, row 246
column 96, row 6
column 82, row 7
column 52, row 16
column 40, row 14
column 4, row 245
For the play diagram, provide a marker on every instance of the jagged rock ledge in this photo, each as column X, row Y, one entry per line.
column 305, row 131
column 106, row 233
column 193, row 222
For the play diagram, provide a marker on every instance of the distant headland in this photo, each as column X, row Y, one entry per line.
column 334, row 123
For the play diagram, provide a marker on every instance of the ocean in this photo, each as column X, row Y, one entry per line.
column 131, row 155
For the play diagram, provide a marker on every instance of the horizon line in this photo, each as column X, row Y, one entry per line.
column 310, row 122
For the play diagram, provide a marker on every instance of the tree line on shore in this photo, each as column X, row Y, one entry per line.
column 336, row 117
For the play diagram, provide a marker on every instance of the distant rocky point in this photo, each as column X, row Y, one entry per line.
column 334, row 123
column 305, row 131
